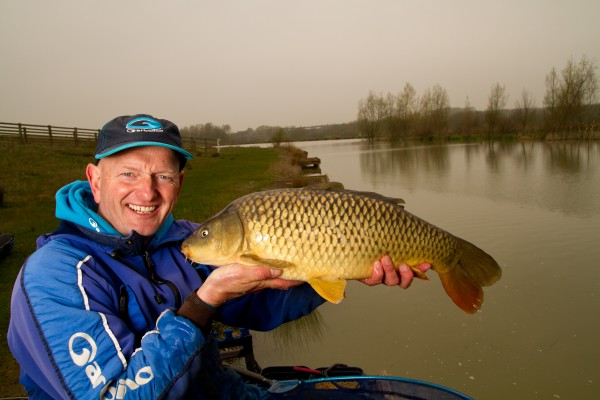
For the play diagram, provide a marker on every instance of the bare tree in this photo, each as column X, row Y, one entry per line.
column 406, row 109
column 434, row 106
column 390, row 126
column 278, row 137
column 524, row 109
column 496, row 103
column 371, row 114
column 441, row 107
column 570, row 95
column 468, row 120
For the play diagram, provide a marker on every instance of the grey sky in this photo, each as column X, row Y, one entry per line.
column 274, row 62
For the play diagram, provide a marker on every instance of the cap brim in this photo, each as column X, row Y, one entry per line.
column 111, row 151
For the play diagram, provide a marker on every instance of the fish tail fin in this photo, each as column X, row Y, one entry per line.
column 463, row 283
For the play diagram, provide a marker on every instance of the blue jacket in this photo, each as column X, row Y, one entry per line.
column 93, row 313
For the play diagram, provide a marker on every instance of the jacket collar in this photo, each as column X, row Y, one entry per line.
column 131, row 245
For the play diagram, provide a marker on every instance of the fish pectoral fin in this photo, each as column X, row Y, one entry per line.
column 253, row 259
column 419, row 274
column 332, row 290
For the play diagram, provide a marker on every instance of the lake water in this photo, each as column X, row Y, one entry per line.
column 535, row 207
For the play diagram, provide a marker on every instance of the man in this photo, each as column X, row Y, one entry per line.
column 108, row 306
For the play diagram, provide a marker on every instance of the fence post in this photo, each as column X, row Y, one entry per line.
column 50, row 133
column 25, row 134
column 20, row 131
column 75, row 134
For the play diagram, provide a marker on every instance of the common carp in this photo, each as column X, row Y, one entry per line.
column 325, row 235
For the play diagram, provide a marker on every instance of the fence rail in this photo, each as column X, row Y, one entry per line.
column 201, row 144
column 43, row 133
column 31, row 132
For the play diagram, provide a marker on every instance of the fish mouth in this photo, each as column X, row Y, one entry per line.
column 185, row 249
column 142, row 210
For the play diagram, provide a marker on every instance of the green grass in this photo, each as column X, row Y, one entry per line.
column 211, row 182
column 30, row 175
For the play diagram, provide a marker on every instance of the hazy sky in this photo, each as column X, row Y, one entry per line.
column 274, row 62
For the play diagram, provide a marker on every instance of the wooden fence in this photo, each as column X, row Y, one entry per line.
column 201, row 144
column 31, row 133
column 46, row 133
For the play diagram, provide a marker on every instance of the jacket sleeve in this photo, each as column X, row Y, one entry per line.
column 70, row 342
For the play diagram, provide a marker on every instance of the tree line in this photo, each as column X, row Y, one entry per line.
column 270, row 134
column 570, row 109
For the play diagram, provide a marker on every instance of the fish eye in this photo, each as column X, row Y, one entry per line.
column 204, row 232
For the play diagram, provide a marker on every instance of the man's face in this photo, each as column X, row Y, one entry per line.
column 136, row 189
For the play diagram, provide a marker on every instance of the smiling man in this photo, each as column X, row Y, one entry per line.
column 108, row 307
column 136, row 188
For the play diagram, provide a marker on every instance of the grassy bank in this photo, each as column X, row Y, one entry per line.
column 30, row 175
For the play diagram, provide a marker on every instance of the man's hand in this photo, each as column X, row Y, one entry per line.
column 235, row 280
column 384, row 272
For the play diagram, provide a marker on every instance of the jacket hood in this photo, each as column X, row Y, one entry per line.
column 75, row 204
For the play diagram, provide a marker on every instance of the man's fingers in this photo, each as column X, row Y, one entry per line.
column 424, row 267
column 276, row 283
column 391, row 277
column 406, row 276
column 376, row 275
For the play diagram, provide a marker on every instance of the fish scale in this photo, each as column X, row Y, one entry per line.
column 313, row 213
column 324, row 235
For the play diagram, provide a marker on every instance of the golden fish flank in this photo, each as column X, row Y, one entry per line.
column 325, row 236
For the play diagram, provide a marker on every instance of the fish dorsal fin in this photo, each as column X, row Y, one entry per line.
column 332, row 290
column 325, row 186
column 339, row 186
column 253, row 259
column 396, row 200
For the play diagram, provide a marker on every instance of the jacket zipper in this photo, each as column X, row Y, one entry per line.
column 153, row 277
column 150, row 267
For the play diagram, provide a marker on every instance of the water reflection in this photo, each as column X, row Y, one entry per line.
column 569, row 157
column 523, row 172
column 432, row 159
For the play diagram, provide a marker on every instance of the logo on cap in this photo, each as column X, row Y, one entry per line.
column 144, row 124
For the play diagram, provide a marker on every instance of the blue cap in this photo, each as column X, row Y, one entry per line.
column 130, row 131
